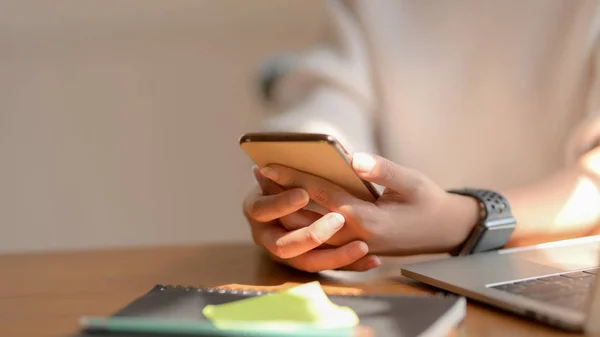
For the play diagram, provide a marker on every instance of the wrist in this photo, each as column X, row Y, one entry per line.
column 462, row 215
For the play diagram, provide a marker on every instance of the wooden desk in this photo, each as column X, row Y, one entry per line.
column 44, row 294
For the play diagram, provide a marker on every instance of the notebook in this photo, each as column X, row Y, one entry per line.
column 387, row 315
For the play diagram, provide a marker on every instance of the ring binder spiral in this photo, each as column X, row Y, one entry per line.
column 253, row 292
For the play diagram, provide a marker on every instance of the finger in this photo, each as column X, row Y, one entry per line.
column 365, row 263
column 323, row 192
column 267, row 186
column 296, row 220
column 265, row 208
column 285, row 245
column 386, row 173
column 270, row 187
column 344, row 236
column 299, row 219
column 329, row 259
column 316, row 208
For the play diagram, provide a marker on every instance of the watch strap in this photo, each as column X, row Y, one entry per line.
column 495, row 226
column 492, row 203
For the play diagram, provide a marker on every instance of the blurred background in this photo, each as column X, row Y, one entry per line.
column 120, row 119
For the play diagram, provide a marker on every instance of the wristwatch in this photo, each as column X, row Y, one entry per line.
column 495, row 225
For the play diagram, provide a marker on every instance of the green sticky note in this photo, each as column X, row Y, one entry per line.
column 306, row 304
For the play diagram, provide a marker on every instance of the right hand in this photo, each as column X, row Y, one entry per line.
column 280, row 224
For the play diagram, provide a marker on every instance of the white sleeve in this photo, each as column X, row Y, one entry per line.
column 328, row 89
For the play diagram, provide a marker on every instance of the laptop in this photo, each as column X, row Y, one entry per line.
column 556, row 283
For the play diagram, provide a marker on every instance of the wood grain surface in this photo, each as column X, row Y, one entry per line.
column 44, row 294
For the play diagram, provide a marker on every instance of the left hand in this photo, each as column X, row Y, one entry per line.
column 413, row 215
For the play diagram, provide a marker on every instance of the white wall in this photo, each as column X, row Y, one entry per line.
column 119, row 120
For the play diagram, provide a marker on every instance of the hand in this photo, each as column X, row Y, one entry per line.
column 413, row 215
column 294, row 236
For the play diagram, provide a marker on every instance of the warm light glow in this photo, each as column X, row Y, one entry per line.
column 582, row 207
column 337, row 289
column 591, row 162
column 571, row 259
column 581, row 210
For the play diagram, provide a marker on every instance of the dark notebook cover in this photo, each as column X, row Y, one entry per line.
column 387, row 315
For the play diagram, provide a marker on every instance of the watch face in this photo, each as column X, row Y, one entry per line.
column 494, row 237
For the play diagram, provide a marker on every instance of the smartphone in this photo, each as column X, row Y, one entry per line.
column 317, row 154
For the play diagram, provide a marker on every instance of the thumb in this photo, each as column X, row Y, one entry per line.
column 384, row 172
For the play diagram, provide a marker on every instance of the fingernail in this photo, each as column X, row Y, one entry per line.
column 298, row 197
column 363, row 162
column 374, row 262
column 363, row 247
column 333, row 221
column 269, row 173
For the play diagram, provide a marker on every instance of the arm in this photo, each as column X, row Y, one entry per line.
column 325, row 90
column 566, row 204
column 328, row 88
